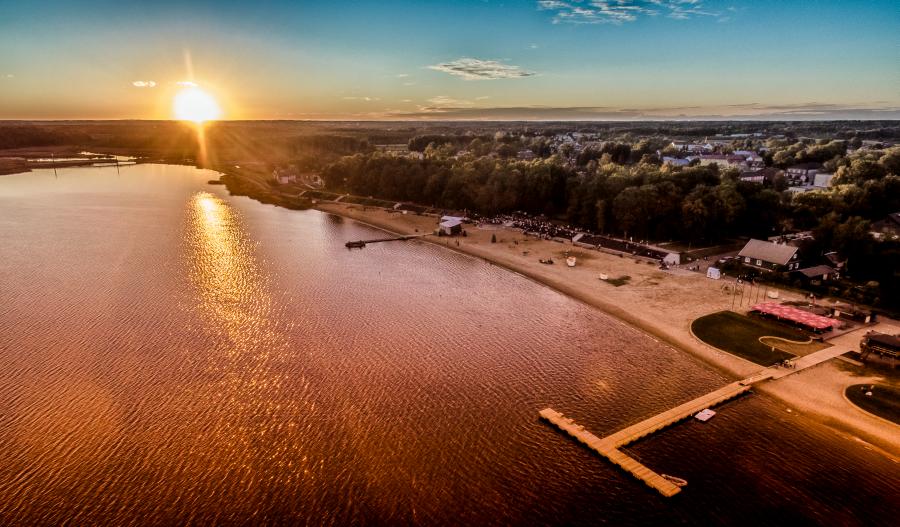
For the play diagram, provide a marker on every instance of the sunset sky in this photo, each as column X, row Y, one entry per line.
column 471, row 59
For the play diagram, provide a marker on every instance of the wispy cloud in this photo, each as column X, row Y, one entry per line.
column 442, row 101
column 363, row 98
column 144, row 84
column 187, row 83
column 623, row 11
column 479, row 69
column 402, row 75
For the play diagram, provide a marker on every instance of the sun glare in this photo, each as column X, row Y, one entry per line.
column 194, row 104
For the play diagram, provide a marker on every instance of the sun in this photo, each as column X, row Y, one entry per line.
column 194, row 104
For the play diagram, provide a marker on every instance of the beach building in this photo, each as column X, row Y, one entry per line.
column 769, row 256
column 883, row 345
column 450, row 225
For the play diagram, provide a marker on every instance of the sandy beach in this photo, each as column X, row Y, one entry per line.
column 662, row 304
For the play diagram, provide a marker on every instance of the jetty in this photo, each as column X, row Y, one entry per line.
column 609, row 446
column 359, row 244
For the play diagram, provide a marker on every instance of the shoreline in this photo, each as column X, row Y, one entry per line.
column 817, row 393
column 668, row 312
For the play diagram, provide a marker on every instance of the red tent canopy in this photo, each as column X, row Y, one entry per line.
column 804, row 318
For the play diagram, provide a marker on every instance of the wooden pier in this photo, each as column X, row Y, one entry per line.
column 610, row 452
column 608, row 446
column 359, row 244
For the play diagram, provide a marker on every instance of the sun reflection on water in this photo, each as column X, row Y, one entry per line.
column 223, row 270
column 248, row 386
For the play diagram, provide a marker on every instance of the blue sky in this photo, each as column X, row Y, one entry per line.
column 472, row 59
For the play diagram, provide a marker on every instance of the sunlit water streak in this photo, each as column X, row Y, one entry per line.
column 171, row 355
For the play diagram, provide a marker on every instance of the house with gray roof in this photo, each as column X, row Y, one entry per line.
column 769, row 256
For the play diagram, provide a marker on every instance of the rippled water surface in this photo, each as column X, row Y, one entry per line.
column 170, row 355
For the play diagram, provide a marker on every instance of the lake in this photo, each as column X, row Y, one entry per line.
column 173, row 355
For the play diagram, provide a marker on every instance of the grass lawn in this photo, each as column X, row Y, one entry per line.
column 884, row 401
column 739, row 335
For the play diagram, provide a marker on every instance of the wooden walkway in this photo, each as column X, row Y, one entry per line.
column 610, row 452
column 608, row 446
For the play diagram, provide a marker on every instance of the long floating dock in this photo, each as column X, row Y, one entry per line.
column 608, row 446
column 362, row 243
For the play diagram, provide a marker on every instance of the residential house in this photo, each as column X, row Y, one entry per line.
column 675, row 161
column 769, row 256
column 284, row 176
column 803, row 173
column 765, row 176
column 888, row 227
column 834, row 260
column 723, row 161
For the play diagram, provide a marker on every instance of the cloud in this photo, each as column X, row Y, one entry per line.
column 10, row 76
column 367, row 99
column 442, row 101
column 402, row 75
column 187, row 83
column 144, row 84
column 619, row 12
column 483, row 97
column 479, row 69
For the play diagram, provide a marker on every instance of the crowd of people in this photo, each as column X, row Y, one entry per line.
column 532, row 225
column 545, row 229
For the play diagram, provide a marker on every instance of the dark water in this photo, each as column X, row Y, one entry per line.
column 172, row 355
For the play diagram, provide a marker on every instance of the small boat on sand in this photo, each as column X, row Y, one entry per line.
column 548, row 261
column 679, row 482
column 604, row 276
column 570, row 261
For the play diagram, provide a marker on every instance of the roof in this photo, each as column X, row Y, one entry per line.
column 765, row 173
column 895, row 217
column 799, row 316
column 451, row 223
column 768, row 252
column 884, row 339
column 816, row 271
